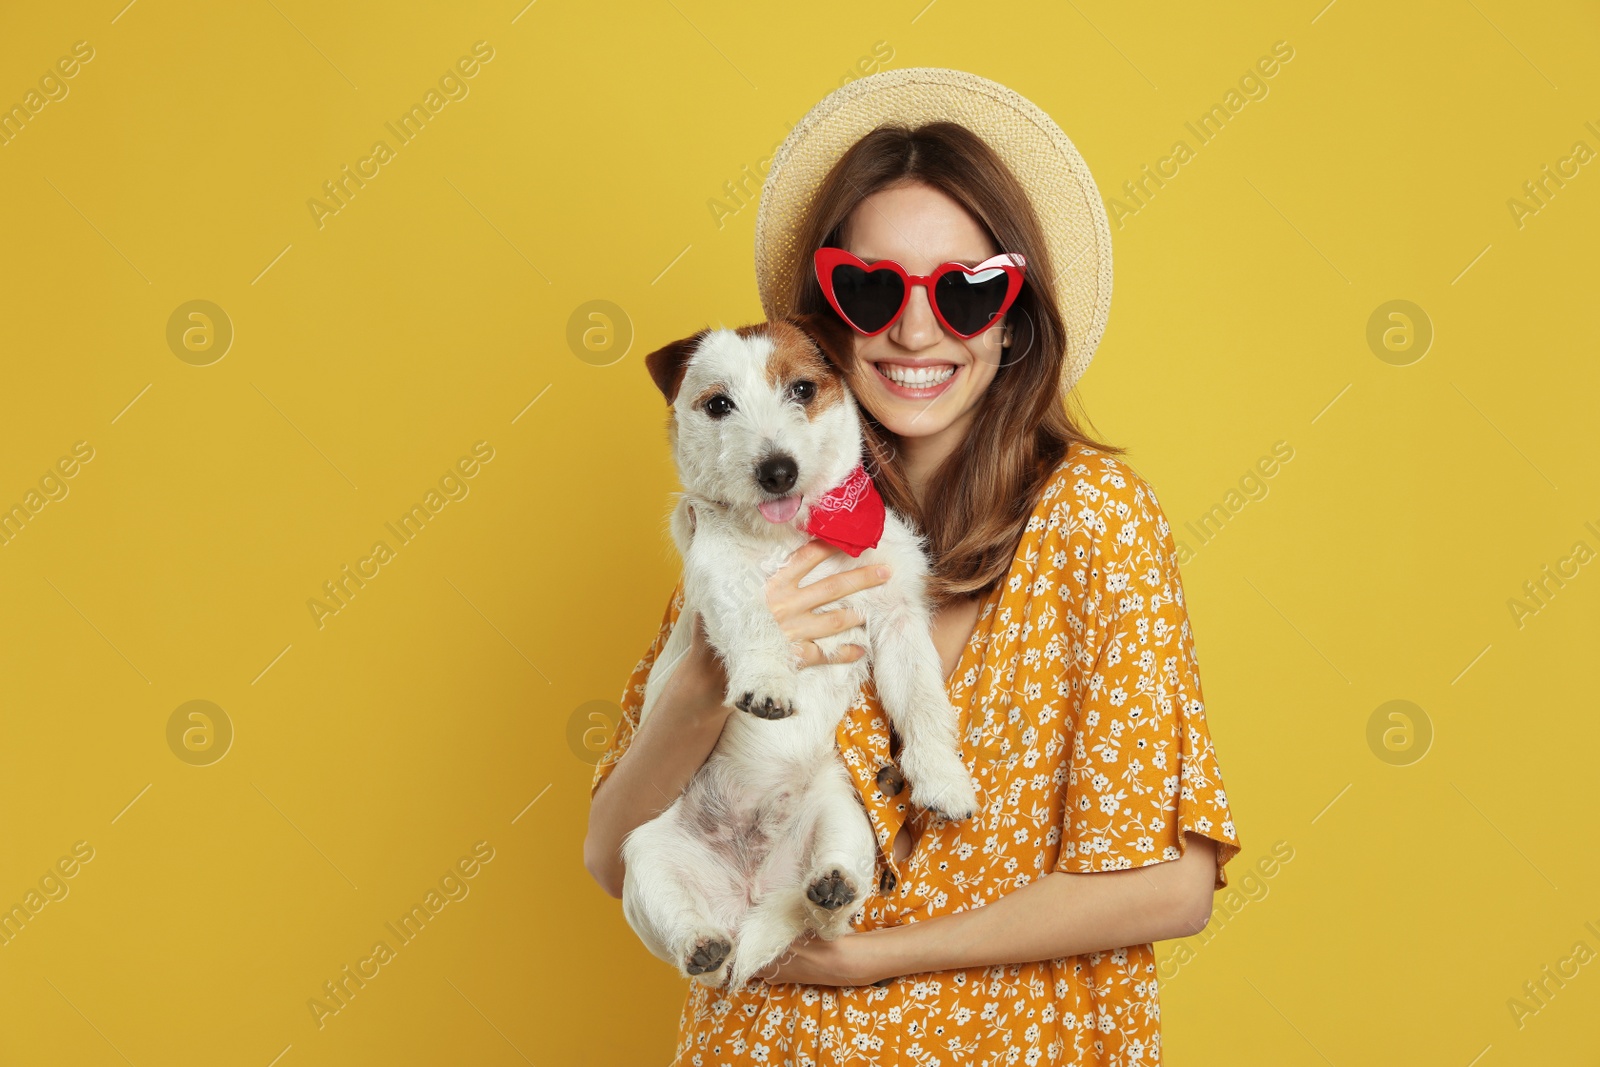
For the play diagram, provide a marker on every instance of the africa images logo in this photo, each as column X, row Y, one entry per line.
column 453, row 485
column 452, row 86
column 454, row 886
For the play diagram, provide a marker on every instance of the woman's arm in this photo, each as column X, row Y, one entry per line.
column 1059, row 915
column 667, row 749
column 683, row 726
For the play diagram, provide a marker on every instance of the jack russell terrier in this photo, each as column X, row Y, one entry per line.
column 770, row 839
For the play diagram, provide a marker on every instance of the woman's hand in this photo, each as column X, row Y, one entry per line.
column 795, row 606
column 844, row 961
column 705, row 679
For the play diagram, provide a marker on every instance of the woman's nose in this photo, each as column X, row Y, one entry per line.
column 917, row 328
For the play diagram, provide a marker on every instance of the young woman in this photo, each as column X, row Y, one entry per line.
column 1024, row 934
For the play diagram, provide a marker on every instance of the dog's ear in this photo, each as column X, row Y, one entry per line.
column 829, row 333
column 666, row 365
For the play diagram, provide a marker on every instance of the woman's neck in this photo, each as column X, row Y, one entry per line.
column 921, row 457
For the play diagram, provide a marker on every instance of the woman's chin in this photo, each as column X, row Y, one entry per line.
column 908, row 418
column 922, row 411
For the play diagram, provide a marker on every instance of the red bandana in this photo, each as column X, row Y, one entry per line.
column 850, row 515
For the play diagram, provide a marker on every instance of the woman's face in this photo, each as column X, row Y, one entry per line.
column 920, row 380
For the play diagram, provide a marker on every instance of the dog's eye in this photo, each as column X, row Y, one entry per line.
column 719, row 406
column 803, row 391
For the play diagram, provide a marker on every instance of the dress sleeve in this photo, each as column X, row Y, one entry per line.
column 632, row 702
column 1143, row 770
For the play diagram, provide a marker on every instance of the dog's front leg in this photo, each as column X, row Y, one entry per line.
column 910, row 683
column 763, row 670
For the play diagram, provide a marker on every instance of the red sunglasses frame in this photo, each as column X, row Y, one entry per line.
column 826, row 259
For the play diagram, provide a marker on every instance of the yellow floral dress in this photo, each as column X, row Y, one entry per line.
column 1083, row 723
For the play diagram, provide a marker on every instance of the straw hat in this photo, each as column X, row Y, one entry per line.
column 1049, row 168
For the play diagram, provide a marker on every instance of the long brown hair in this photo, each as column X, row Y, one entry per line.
column 977, row 504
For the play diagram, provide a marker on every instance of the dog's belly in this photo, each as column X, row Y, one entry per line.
column 748, row 796
column 747, row 815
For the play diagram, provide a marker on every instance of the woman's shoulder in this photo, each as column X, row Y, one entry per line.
column 1097, row 503
column 1091, row 479
column 1098, row 536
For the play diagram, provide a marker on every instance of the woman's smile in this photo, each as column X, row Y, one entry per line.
column 915, row 379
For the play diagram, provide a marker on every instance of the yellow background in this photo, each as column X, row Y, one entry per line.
column 371, row 353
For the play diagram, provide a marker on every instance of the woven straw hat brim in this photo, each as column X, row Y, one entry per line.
column 1052, row 173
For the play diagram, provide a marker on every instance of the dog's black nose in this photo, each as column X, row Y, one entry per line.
column 777, row 474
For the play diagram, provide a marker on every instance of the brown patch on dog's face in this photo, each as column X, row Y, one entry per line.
column 797, row 358
column 836, row 340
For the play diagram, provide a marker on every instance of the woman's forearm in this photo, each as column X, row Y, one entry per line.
column 1059, row 915
column 671, row 744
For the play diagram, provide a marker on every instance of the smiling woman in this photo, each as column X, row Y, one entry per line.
column 969, row 263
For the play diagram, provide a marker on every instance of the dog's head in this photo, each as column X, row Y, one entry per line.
column 760, row 415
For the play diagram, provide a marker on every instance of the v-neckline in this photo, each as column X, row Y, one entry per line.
column 966, row 641
column 986, row 608
column 974, row 648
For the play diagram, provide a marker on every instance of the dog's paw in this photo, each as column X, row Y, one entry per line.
column 831, row 891
column 945, row 788
column 765, row 705
column 706, row 958
column 717, row 979
column 762, row 688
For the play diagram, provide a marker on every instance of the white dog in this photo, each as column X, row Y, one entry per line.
column 770, row 837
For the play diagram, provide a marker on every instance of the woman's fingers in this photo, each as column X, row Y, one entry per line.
column 812, row 656
column 785, row 582
column 810, row 625
column 818, row 624
column 795, row 606
column 801, row 563
column 835, row 586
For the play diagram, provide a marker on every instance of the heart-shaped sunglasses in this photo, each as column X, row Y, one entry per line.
column 872, row 296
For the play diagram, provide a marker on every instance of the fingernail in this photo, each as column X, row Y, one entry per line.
column 883, row 572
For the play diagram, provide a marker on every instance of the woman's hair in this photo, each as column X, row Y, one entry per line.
column 978, row 502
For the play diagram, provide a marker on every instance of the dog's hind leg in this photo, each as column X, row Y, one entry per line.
column 676, row 894
column 842, row 854
column 771, row 926
column 777, row 913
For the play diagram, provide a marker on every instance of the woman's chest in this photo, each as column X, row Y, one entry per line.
column 1010, row 690
column 952, row 632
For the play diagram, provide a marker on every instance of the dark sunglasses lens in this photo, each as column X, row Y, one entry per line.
column 868, row 299
column 969, row 301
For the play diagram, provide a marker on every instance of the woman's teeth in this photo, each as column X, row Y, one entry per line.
column 915, row 376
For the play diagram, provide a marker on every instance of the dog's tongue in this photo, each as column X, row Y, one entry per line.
column 781, row 510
